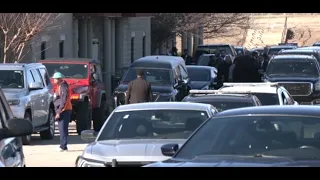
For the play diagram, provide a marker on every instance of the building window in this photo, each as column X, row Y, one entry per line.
column 61, row 46
column 143, row 45
column 132, row 49
column 43, row 50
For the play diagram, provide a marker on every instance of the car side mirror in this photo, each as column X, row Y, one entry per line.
column 16, row 127
column 88, row 135
column 169, row 149
column 35, row 86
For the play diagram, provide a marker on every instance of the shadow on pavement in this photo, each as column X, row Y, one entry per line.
column 73, row 138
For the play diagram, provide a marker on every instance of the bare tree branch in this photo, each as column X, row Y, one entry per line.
column 18, row 29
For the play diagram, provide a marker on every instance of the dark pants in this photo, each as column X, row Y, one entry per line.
column 63, row 124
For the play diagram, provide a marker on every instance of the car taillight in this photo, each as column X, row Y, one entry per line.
column 75, row 96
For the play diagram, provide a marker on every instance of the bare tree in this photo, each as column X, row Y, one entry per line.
column 167, row 25
column 18, row 29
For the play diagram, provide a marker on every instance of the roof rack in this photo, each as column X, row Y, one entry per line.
column 218, row 92
column 250, row 84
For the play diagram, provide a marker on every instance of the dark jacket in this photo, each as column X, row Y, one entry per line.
column 60, row 100
column 139, row 90
column 246, row 70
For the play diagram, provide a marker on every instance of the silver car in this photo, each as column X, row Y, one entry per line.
column 133, row 134
column 27, row 88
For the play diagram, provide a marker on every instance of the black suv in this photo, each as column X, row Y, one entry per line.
column 298, row 51
column 212, row 48
column 11, row 152
column 299, row 74
column 274, row 50
column 167, row 74
column 222, row 101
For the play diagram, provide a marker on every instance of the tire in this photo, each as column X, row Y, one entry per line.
column 49, row 133
column 26, row 140
column 83, row 119
column 100, row 115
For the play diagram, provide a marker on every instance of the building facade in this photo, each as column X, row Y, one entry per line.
column 115, row 39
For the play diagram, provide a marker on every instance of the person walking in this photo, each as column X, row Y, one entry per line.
column 63, row 109
column 139, row 90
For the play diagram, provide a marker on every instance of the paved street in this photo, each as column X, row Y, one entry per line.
column 43, row 153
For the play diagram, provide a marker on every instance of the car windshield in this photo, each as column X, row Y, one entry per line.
column 221, row 105
column 274, row 51
column 11, row 79
column 256, row 136
column 212, row 49
column 267, row 98
column 204, row 60
column 74, row 71
column 152, row 75
column 292, row 68
column 199, row 74
column 152, row 124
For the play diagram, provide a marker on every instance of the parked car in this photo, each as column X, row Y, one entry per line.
column 264, row 136
column 222, row 101
column 167, row 74
column 202, row 77
column 212, row 48
column 27, row 88
column 274, row 50
column 298, row 51
column 267, row 93
column 88, row 96
column 259, row 50
column 11, row 128
column 299, row 74
column 133, row 134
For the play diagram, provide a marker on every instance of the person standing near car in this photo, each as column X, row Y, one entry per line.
column 139, row 90
column 63, row 109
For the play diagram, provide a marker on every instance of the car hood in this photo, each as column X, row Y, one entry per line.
column 129, row 150
column 199, row 84
column 237, row 161
column 292, row 78
column 11, row 93
column 165, row 88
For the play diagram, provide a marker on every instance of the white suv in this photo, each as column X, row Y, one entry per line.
column 268, row 93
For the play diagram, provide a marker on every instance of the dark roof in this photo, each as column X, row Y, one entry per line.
column 66, row 60
column 282, row 47
column 166, row 62
column 304, row 110
column 300, row 50
column 200, row 67
column 292, row 57
column 225, row 97
column 204, row 45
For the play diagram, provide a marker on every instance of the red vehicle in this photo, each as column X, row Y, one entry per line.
column 87, row 93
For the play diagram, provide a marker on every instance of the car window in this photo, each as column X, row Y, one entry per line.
column 152, row 75
column 178, row 73
column 269, row 135
column 152, row 124
column 288, row 97
column 74, row 71
column 204, row 60
column 267, row 98
column 36, row 75
column 13, row 79
column 30, row 78
column 183, row 71
column 45, row 76
column 199, row 74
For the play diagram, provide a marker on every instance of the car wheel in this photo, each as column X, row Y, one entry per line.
column 26, row 140
column 49, row 132
column 100, row 116
column 83, row 117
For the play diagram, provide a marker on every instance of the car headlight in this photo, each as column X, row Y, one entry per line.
column 83, row 162
column 317, row 86
column 14, row 102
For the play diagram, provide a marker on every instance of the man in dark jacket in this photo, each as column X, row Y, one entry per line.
column 139, row 90
column 187, row 58
column 246, row 70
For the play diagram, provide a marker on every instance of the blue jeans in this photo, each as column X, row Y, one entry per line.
column 63, row 124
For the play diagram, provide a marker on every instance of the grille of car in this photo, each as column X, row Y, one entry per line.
column 298, row 88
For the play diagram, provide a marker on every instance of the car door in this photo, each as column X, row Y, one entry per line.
column 178, row 87
column 10, row 148
column 185, row 79
column 48, row 89
column 36, row 101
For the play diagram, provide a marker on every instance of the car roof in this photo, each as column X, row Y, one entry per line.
column 293, row 57
column 304, row 110
column 68, row 60
column 15, row 66
column 300, row 50
column 163, row 105
column 200, row 67
column 204, row 45
column 158, row 61
column 237, row 97
column 252, row 89
column 310, row 47
column 208, row 55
